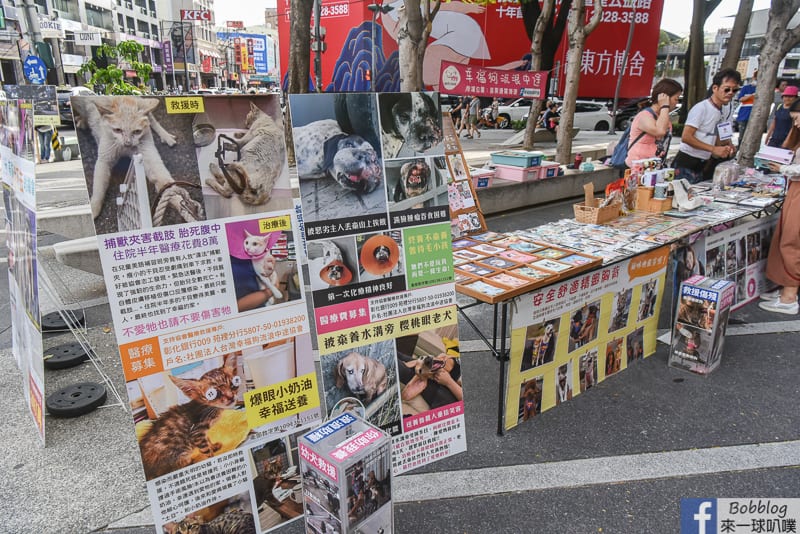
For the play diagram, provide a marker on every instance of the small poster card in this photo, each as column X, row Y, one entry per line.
column 551, row 253
column 486, row 289
column 532, row 273
column 467, row 254
column 487, row 249
column 462, row 277
column 475, row 269
column 524, row 246
column 551, row 265
column 517, row 256
column 577, row 259
column 463, row 243
column 500, row 263
column 509, row 280
column 487, row 236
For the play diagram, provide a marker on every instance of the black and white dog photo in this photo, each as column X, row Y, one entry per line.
column 411, row 124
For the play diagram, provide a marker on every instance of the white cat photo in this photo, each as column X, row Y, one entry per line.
column 263, row 263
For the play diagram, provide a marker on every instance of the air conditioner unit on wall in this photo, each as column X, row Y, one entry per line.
column 143, row 10
column 129, row 5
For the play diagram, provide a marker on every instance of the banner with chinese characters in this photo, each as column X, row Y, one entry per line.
column 198, row 234
column 489, row 35
column 483, row 81
column 567, row 337
column 19, row 202
column 373, row 183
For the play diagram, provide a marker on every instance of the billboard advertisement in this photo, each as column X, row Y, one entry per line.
column 491, row 36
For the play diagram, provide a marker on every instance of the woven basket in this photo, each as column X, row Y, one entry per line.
column 593, row 215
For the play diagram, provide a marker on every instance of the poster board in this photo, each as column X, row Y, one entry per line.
column 43, row 97
column 569, row 336
column 19, row 200
column 377, row 224
column 466, row 216
column 198, row 241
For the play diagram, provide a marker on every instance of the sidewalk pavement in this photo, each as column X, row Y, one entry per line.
column 616, row 459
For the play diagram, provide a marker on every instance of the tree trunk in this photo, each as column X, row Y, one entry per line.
column 536, row 64
column 415, row 20
column 695, row 90
column 300, row 46
column 299, row 61
column 578, row 31
column 736, row 40
column 777, row 42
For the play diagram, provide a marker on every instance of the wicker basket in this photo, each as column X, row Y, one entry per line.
column 595, row 215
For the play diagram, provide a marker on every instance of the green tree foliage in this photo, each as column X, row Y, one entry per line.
column 112, row 77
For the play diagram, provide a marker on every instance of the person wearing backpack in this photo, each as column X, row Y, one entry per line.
column 652, row 127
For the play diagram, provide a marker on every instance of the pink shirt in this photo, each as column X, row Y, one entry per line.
column 646, row 146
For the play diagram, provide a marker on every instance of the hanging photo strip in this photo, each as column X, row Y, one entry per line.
column 374, row 190
column 466, row 217
column 198, row 239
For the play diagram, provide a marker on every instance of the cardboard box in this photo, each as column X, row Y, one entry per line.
column 700, row 322
column 346, row 465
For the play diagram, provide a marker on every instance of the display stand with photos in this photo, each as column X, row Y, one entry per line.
column 377, row 228
column 205, row 291
column 576, row 326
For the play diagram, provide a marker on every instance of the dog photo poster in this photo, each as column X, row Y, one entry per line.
column 571, row 335
column 373, row 187
column 198, row 239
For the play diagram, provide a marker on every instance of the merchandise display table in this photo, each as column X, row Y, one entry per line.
column 564, row 261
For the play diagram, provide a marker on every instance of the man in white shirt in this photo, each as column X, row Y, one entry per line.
column 708, row 130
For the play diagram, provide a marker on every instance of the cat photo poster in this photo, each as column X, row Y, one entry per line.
column 159, row 161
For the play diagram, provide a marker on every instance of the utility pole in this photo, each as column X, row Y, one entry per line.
column 318, row 52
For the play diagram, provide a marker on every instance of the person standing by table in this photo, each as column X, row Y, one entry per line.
column 782, row 122
column 746, row 97
column 708, row 130
column 654, row 122
column 783, row 262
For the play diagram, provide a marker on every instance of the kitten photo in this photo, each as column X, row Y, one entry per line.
column 123, row 129
column 263, row 263
column 179, row 437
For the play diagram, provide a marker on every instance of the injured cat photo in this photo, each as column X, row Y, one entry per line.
column 241, row 155
column 139, row 162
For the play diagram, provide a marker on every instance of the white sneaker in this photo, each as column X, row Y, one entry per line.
column 770, row 295
column 777, row 306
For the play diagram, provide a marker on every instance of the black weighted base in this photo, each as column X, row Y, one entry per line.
column 77, row 399
column 53, row 322
column 64, row 356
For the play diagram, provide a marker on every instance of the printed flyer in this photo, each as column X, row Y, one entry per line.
column 19, row 201
column 198, row 235
column 373, row 184
column 567, row 337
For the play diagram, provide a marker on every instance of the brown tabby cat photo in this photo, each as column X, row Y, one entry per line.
column 179, row 437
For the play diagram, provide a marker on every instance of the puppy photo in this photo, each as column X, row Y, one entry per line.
column 540, row 344
column 364, row 377
column 530, row 398
column 331, row 263
column 414, row 180
column 411, row 124
column 429, row 370
column 338, row 153
column 367, row 374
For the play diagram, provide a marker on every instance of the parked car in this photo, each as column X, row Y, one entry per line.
column 64, row 106
column 589, row 115
column 516, row 110
column 627, row 108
